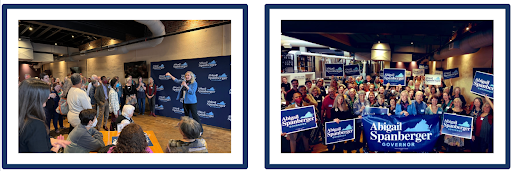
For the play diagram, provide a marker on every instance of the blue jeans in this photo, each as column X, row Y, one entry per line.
column 141, row 104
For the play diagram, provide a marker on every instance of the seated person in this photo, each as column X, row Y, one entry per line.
column 85, row 138
column 121, row 125
column 191, row 141
column 131, row 140
column 126, row 114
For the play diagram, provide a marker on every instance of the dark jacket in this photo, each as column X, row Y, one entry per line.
column 34, row 138
column 84, row 141
column 100, row 94
column 92, row 93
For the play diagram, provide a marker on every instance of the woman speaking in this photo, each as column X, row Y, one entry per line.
column 187, row 93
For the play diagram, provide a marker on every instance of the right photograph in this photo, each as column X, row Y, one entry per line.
column 387, row 86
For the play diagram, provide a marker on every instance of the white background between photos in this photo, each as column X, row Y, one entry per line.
column 256, row 62
column 236, row 17
column 276, row 15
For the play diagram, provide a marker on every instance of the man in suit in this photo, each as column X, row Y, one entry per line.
column 101, row 96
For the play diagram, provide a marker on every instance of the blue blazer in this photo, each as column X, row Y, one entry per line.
column 190, row 96
column 412, row 108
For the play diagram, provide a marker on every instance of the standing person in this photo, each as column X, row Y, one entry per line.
column 456, row 94
column 454, row 143
column 56, row 116
column 89, row 87
column 359, row 106
column 129, row 92
column 380, row 102
column 119, row 90
column 371, row 99
column 340, row 111
column 289, row 93
column 315, row 92
column 482, row 136
column 320, row 84
column 418, row 106
column 141, row 96
column 92, row 91
column 188, row 95
column 477, row 108
column 403, row 104
column 371, row 90
column 77, row 101
column 446, row 102
column 308, row 85
column 285, row 86
column 113, row 104
column 327, row 105
column 101, row 96
column 33, row 136
column 294, row 137
column 392, row 106
column 50, row 103
column 434, row 109
column 150, row 94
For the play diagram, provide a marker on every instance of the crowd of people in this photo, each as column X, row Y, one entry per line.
column 347, row 97
column 88, row 103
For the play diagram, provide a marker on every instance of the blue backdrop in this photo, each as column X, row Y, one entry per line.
column 213, row 77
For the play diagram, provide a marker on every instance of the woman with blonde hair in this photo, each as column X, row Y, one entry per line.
column 315, row 92
column 187, row 93
column 403, row 104
column 340, row 111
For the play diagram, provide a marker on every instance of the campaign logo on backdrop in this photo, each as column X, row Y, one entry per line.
column 178, row 110
column 483, row 84
column 214, row 104
column 389, row 133
column 180, row 65
column 161, row 107
column 298, row 119
column 217, row 77
column 161, row 88
column 204, row 114
column 176, row 88
column 158, row 67
column 451, row 73
column 163, row 77
column 229, row 118
column 164, row 99
column 457, row 125
column 207, row 64
column 338, row 132
column 204, row 90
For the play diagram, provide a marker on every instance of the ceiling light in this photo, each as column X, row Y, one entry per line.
column 89, row 44
column 378, row 41
column 55, row 44
column 19, row 38
column 467, row 28
column 412, row 43
column 73, row 36
column 30, row 28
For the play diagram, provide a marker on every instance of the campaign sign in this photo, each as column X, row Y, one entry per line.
column 457, row 125
column 298, row 119
column 339, row 132
column 418, row 72
column 423, row 66
column 334, row 69
column 432, row 79
column 394, row 76
column 375, row 111
column 408, row 73
column 439, row 73
column 409, row 134
column 483, row 84
column 351, row 70
column 451, row 73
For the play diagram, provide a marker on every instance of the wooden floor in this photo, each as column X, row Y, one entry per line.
column 217, row 139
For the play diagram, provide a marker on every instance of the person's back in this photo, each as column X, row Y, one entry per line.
column 178, row 146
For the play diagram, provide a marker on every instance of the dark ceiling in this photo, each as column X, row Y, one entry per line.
column 359, row 36
column 73, row 33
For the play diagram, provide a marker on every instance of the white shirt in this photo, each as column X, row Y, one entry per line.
column 77, row 101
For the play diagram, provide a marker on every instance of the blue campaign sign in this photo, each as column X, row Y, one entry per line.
column 394, row 76
column 339, row 132
column 375, row 111
column 334, row 69
column 457, row 125
column 408, row 134
column 351, row 70
column 451, row 73
column 483, row 84
column 298, row 119
column 213, row 78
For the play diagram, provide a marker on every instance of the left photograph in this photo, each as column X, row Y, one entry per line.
column 112, row 86
column 152, row 79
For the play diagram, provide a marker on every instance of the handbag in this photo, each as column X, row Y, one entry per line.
column 63, row 108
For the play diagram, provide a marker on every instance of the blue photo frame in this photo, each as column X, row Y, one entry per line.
column 124, row 166
column 268, row 7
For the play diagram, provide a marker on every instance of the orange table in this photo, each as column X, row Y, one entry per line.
column 155, row 146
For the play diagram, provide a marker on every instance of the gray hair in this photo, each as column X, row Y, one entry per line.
column 190, row 128
column 76, row 79
column 361, row 93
